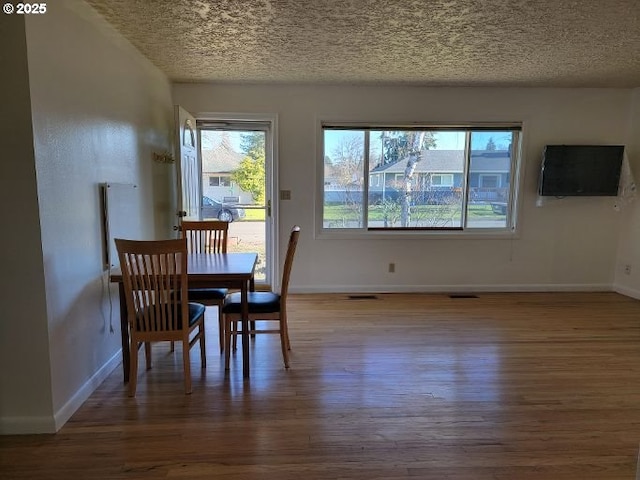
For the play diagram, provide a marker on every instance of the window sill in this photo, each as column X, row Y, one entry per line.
column 357, row 234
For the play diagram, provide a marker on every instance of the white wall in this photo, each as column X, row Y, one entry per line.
column 565, row 245
column 25, row 394
column 99, row 109
column 629, row 251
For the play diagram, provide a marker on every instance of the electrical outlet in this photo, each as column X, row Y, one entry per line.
column 392, row 267
column 627, row 269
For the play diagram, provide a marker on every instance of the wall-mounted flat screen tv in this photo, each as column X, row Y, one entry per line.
column 580, row 170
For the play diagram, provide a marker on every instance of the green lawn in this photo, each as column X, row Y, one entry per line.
column 254, row 215
column 339, row 212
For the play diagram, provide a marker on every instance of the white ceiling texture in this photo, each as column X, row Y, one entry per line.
column 540, row 43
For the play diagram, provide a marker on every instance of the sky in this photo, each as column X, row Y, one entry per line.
column 444, row 140
column 333, row 138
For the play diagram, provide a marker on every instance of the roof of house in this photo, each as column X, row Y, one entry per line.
column 222, row 158
column 452, row 161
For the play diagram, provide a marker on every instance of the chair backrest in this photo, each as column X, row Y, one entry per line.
column 154, row 277
column 207, row 236
column 288, row 261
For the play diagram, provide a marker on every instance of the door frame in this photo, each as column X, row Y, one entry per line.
column 271, row 181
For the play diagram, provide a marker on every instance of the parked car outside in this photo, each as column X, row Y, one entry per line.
column 214, row 209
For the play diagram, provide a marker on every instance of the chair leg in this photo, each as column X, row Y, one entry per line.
column 284, row 326
column 186, row 365
column 284, row 345
column 234, row 329
column 147, row 354
column 221, row 329
column 173, row 346
column 203, row 351
column 133, row 368
column 286, row 336
column 227, row 341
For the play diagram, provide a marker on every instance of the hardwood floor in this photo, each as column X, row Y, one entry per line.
column 501, row 387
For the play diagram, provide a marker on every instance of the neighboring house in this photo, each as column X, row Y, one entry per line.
column 218, row 164
column 338, row 188
column 436, row 177
column 440, row 173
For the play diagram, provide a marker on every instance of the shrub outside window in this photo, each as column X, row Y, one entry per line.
column 419, row 178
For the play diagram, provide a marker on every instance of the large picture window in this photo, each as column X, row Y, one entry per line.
column 419, row 178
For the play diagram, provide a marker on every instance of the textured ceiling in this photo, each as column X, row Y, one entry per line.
column 566, row 43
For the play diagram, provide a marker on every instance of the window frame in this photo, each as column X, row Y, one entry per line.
column 220, row 178
column 482, row 176
column 517, row 156
column 441, row 176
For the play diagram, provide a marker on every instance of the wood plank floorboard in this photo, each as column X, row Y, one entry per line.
column 516, row 386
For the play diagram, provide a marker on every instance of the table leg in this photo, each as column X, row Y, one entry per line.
column 245, row 330
column 124, row 332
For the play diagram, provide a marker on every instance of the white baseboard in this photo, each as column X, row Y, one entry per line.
column 85, row 391
column 629, row 292
column 51, row 424
column 578, row 287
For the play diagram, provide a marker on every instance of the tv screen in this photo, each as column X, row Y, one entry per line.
column 580, row 170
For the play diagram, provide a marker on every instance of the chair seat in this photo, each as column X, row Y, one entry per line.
column 199, row 294
column 259, row 302
column 196, row 310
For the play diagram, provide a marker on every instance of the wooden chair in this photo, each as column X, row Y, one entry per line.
column 154, row 275
column 268, row 306
column 208, row 237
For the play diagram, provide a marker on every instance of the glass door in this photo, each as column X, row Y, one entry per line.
column 236, row 185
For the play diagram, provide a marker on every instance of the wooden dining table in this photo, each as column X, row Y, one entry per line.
column 229, row 270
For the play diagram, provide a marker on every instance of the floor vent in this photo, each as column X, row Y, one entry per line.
column 462, row 295
column 362, row 297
